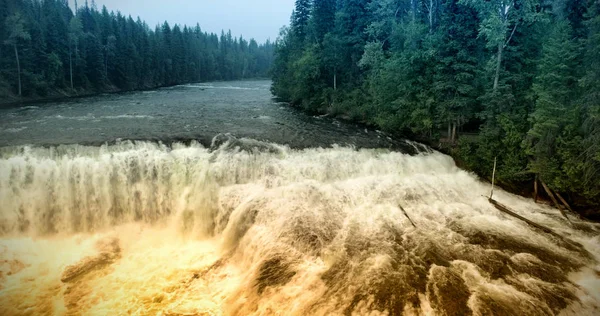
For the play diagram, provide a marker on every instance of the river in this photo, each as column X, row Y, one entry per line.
column 133, row 204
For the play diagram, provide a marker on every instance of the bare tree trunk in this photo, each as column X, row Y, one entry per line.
column 493, row 178
column 453, row 132
column 106, row 65
column 430, row 16
column 498, row 65
column 506, row 210
column 71, row 67
column 18, row 66
column 535, row 189
column 564, row 202
column 558, row 206
column 334, row 81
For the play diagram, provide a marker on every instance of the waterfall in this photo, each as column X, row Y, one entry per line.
column 145, row 228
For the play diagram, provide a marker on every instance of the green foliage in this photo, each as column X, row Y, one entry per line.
column 15, row 24
column 106, row 51
column 555, row 114
column 522, row 77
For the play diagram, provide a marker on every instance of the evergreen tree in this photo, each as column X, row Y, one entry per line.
column 556, row 117
column 590, row 100
column 300, row 19
column 15, row 26
column 428, row 68
column 92, row 50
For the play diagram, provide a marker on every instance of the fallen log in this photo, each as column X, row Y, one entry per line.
column 545, row 229
column 406, row 214
column 564, row 202
column 553, row 198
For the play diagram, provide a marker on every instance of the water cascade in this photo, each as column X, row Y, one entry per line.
column 147, row 229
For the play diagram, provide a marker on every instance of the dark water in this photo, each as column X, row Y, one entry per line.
column 181, row 113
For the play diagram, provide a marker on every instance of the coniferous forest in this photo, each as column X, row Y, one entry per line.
column 514, row 79
column 47, row 49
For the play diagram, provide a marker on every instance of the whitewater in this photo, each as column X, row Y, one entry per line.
column 143, row 228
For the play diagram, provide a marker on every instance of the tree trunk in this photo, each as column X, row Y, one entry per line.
column 71, row 67
column 453, row 133
column 506, row 210
column 535, row 189
column 564, row 202
column 493, row 178
column 558, row 206
column 430, row 16
column 498, row 65
column 18, row 67
column 334, row 81
column 106, row 65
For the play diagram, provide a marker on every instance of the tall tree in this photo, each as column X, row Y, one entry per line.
column 590, row 84
column 555, row 116
column 521, row 75
column 15, row 24
column 499, row 22
column 75, row 32
column 300, row 19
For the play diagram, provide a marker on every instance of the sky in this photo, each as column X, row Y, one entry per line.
column 258, row 19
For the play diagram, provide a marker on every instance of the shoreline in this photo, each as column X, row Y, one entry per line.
column 524, row 189
column 586, row 210
column 60, row 95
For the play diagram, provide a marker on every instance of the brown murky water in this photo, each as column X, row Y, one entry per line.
column 257, row 228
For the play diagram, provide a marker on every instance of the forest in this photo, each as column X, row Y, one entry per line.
column 46, row 49
column 512, row 80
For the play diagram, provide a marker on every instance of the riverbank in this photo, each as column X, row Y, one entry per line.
column 8, row 99
column 583, row 207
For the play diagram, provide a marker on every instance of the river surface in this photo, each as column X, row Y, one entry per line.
column 213, row 199
column 181, row 113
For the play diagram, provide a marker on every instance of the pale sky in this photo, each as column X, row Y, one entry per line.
column 258, row 19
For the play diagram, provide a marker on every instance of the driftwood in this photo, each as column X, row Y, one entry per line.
column 564, row 202
column 109, row 252
column 553, row 198
column 506, row 210
column 545, row 229
column 406, row 214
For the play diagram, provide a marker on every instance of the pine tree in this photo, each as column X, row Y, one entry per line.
column 590, row 100
column 322, row 19
column 455, row 82
column 300, row 19
column 555, row 87
column 15, row 24
column 75, row 32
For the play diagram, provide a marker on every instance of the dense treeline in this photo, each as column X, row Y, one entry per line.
column 46, row 47
column 521, row 76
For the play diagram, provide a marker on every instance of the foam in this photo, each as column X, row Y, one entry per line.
column 316, row 231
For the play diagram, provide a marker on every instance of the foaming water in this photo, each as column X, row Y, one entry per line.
column 143, row 228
